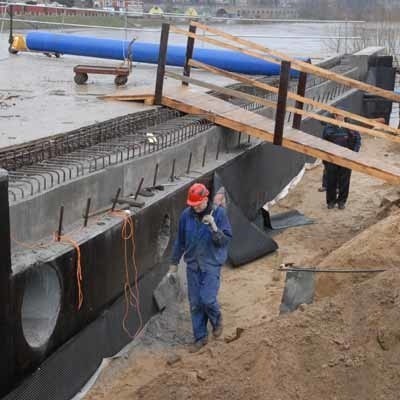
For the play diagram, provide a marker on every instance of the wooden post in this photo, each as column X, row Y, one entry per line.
column 281, row 107
column 7, row 315
column 301, row 91
column 189, row 54
column 162, row 59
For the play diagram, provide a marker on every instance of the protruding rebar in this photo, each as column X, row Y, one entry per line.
column 139, row 188
column 172, row 177
column 86, row 216
column 116, row 199
column 189, row 163
column 203, row 163
column 155, row 175
column 218, row 149
column 60, row 223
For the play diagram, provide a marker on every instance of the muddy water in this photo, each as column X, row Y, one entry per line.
column 38, row 97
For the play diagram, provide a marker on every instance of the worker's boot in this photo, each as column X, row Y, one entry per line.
column 331, row 205
column 341, row 206
column 217, row 331
column 198, row 345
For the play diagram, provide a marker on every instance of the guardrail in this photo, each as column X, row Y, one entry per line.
column 164, row 15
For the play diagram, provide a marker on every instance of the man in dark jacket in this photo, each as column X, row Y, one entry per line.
column 203, row 236
column 337, row 177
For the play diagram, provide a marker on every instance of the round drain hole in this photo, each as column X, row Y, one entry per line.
column 40, row 304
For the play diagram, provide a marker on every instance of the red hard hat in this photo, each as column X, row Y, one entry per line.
column 196, row 194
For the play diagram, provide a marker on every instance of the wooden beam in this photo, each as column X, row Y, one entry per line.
column 219, row 43
column 162, row 60
column 299, row 65
column 301, row 91
column 294, row 96
column 281, row 104
column 258, row 126
column 268, row 103
column 189, row 53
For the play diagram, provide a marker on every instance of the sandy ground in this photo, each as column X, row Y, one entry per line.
column 250, row 300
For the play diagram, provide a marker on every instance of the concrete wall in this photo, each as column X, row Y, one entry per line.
column 37, row 217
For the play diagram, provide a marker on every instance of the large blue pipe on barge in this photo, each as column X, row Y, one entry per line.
column 146, row 52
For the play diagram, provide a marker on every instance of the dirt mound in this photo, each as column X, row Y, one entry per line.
column 377, row 247
column 347, row 347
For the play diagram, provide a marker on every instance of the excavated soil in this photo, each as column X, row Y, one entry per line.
column 341, row 347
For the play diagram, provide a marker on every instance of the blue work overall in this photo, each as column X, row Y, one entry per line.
column 204, row 252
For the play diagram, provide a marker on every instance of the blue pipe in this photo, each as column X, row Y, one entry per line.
column 146, row 52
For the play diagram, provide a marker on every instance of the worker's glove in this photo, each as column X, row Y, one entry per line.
column 172, row 273
column 209, row 220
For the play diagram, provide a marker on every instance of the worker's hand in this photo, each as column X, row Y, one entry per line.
column 172, row 273
column 209, row 220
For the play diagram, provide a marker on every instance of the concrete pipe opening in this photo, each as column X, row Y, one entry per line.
column 40, row 305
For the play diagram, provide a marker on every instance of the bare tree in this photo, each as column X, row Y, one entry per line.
column 352, row 37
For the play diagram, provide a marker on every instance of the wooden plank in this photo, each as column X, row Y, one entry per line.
column 255, row 125
column 139, row 93
column 268, row 103
column 145, row 98
column 299, row 65
column 294, row 96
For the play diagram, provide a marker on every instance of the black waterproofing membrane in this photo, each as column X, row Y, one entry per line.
column 249, row 242
column 288, row 219
column 299, row 289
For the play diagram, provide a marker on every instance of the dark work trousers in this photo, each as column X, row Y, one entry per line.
column 203, row 287
column 324, row 183
column 338, row 183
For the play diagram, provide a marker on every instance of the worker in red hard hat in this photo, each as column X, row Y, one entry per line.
column 203, row 236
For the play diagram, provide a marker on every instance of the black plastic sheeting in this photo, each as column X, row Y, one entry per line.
column 249, row 242
column 288, row 219
column 258, row 176
column 381, row 74
column 299, row 289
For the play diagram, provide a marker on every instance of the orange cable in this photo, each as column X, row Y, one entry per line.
column 79, row 274
column 132, row 295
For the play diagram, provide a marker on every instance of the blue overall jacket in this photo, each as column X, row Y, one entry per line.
column 201, row 246
column 343, row 137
